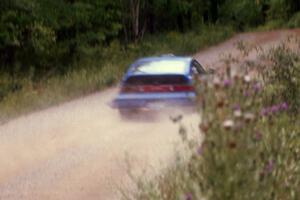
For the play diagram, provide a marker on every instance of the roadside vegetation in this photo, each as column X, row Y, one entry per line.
column 22, row 94
column 251, row 135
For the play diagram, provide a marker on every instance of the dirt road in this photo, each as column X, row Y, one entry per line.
column 77, row 150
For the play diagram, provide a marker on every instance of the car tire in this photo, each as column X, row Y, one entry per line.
column 127, row 114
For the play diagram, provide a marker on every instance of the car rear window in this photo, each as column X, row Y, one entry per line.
column 157, row 80
column 162, row 66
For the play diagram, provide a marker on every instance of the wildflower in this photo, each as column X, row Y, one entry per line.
column 274, row 109
column 236, row 107
column 269, row 167
column 227, row 83
column 257, row 87
column 217, row 83
column 228, row 124
column 232, row 145
column 264, row 112
column 237, row 113
column 247, row 93
column 188, row 196
column 247, row 79
column 258, row 136
column 221, row 103
column 204, row 126
column 284, row 106
column 249, row 117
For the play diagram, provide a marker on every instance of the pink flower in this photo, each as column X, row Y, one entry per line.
column 258, row 136
column 236, row 107
column 274, row 109
column 284, row 106
column 264, row 112
column 257, row 87
column 247, row 93
column 227, row 83
column 188, row 196
column 269, row 167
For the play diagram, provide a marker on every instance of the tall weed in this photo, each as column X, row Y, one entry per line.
column 282, row 73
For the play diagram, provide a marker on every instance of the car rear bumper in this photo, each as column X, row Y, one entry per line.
column 154, row 102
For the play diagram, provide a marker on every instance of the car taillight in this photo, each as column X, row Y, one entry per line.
column 157, row 88
column 184, row 88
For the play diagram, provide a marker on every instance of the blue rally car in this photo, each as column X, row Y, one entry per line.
column 154, row 83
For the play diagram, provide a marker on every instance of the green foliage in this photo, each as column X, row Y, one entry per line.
column 103, row 67
column 242, row 13
column 272, row 25
column 49, row 36
column 282, row 9
column 283, row 73
column 295, row 21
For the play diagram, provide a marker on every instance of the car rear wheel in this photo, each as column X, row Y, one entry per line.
column 136, row 115
column 127, row 113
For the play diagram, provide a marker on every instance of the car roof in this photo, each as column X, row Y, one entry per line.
column 163, row 65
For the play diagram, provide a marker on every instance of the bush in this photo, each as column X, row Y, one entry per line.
column 241, row 14
column 272, row 25
column 250, row 148
column 282, row 73
column 295, row 21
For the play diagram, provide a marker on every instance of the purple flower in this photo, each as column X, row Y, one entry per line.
column 258, row 136
column 247, row 94
column 274, row 109
column 257, row 87
column 264, row 112
column 284, row 106
column 270, row 166
column 236, row 107
column 227, row 82
column 188, row 196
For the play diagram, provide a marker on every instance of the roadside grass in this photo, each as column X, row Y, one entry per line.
column 100, row 69
column 274, row 24
column 251, row 137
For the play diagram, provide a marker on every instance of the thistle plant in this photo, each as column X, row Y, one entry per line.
column 251, row 150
